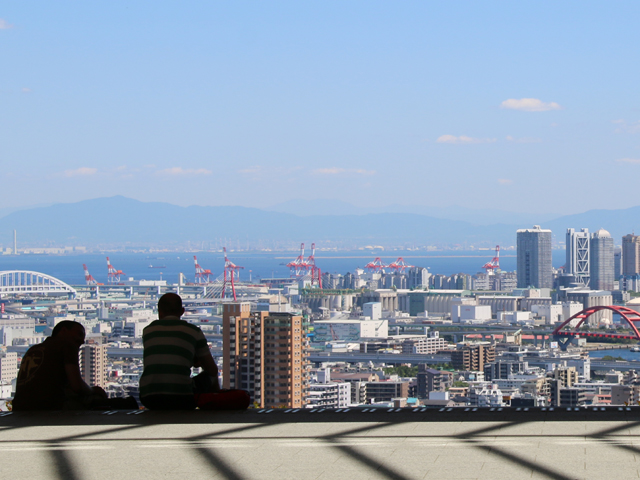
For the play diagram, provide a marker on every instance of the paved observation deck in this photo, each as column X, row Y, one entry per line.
column 358, row 443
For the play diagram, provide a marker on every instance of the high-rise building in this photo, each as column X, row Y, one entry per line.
column 578, row 255
column 602, row 261
column 265, row 354
column 93, row 364
column 617, row 262
column 242, row 350
column 630, row 254
column 534, row 258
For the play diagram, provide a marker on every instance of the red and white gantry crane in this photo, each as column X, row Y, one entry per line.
column 399, row 265
column 113, row 275
column 298, row 266
column 377, row 266
column 202, row 275
column 88, row 278
column 230, row 274
column 316, row 273
column 494, row 265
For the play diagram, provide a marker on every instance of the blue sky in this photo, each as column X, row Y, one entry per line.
column 521, row 106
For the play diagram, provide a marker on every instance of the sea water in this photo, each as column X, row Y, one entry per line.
column 68, row 268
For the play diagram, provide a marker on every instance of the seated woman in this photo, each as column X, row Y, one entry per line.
column 49, row 377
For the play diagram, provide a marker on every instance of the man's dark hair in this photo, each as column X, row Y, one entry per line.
column 65, row 325
column 170, row 304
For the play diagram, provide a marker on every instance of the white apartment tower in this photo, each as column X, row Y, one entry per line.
column 578, row 255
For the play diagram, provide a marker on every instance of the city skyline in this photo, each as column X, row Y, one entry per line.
column 320, row 102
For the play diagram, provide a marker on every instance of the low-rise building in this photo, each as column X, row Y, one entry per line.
column 386, row 391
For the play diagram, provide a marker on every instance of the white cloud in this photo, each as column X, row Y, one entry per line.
column 505, row 181
column 179, row 171
column 529, row 105
column 523, row 139
column 463, row 139
column 26, row 90
column 81, row 172
column 4, row 25
column 342, row 171
column 251, row 170
column 629, row 160
column 625, row 127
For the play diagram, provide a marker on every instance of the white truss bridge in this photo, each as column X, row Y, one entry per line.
column 24, row 282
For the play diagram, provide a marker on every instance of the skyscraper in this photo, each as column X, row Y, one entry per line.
column 534, row 258
column 578, row 255
column 265, row 354
column 630, row 254
column 617, row 262
column 602, row 264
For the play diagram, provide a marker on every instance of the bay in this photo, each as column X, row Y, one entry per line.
column 68, row 268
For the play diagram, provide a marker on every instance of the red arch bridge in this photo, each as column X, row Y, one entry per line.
column 630, row 316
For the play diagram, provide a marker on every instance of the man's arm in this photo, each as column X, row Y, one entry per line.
column 75, row 379
column 208, row 364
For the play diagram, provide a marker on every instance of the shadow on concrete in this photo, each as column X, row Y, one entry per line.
column 63, row 467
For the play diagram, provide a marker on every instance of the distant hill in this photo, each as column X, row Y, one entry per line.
column 617, row 222
column 120, row 220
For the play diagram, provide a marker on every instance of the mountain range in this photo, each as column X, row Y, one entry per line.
column 121, row 220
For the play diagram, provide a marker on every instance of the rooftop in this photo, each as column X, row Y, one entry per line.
column 321, row 444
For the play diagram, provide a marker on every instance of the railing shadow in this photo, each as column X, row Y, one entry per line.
column 63, row 465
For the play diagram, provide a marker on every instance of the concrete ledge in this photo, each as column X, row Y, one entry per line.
column 282, row 444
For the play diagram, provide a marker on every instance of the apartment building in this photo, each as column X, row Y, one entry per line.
column 8, row 366
column 386, row 391
column 428, row 345
column 265, row 353
column 329, row 395
column 472, row 356
column 93, row 364
column 431, row 380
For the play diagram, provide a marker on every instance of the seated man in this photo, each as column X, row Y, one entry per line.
column 49, row 377
column 171, row 347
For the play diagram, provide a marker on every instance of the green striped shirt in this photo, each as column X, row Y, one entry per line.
column 170, row 347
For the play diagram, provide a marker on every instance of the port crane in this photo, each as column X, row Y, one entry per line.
column 316, row 273
column 113, row 275
column 306, row 268
column 376, row 266
column 202, row 275
column 399, row 265
column 88, row 278
column 494, row 265
column 298, row 266
column 230, row 273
